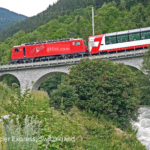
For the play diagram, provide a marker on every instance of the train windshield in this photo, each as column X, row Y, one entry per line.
column 85, row 43
column 16, row 50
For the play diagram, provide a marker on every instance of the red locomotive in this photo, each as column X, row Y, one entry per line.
column 49, row 50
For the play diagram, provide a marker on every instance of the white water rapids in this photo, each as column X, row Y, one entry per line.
column 143, row 126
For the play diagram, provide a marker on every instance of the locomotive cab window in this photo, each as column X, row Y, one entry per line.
column 78, row 43
column 16, row 50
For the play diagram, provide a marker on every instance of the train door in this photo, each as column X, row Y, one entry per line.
column 24, row 52
column 78, row 43
column 16, row 53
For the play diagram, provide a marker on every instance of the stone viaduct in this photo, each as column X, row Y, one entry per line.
column 31, row 75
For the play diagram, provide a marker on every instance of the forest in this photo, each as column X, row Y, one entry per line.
column 67, row 7
column 9, row 18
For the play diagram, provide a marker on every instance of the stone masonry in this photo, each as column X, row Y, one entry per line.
column 31, row 78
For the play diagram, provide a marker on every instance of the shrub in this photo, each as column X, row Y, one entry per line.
column 105, row 87
column 64, row 97
column 18, row 137
column 26, row 104
column 52, row 82
column 15, row 86
column 74, row 130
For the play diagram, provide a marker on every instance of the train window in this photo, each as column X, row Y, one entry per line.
column 145, row 35
column 122, row 38
column 134, row 36
column 16, row 50
column 111, row 40
column 78, row 43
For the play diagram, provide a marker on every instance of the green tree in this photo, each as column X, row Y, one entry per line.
column 64, row 97
column 105, row 88
column 10, row 79
column 52, row 82
column 144, row 79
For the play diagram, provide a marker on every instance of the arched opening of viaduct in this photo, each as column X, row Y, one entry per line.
column 11, row 78
column 32, row 78
column 37, row 84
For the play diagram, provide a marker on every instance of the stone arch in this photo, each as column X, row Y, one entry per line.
column 133, row 65
column 5, row 75
column 134, row 62
column 37, row 84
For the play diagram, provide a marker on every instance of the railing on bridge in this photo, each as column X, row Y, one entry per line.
column 111, row 56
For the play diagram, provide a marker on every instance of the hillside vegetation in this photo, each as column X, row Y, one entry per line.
column 82, row 129
column 9, row 18
column 66, row 7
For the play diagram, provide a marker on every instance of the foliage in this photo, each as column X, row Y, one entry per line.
column 15, row 86
column 9, row 18
column 145, row 89
column 76, row 129
column 85, row 131
column 18, row 137
column 25, row 104
column 64, row 95
column 144, row 79
column 67, row 7
column 4, row 94
column 106, row 88
column 51, row 82
column 146, row 63
column 10, row 80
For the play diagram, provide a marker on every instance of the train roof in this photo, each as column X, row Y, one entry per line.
column 127, row 31
column 49, row 41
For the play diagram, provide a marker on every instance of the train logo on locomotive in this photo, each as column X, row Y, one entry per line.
column 37, row 49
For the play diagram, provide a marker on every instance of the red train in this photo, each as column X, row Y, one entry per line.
column 69, row 48
column 49, row 50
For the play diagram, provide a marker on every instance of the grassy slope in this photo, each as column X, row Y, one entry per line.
column 4, row 94
column 89, row 132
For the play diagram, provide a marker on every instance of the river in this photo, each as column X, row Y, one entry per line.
column 143, row 126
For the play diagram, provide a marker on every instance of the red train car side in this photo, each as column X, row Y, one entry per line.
column 49, row 50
